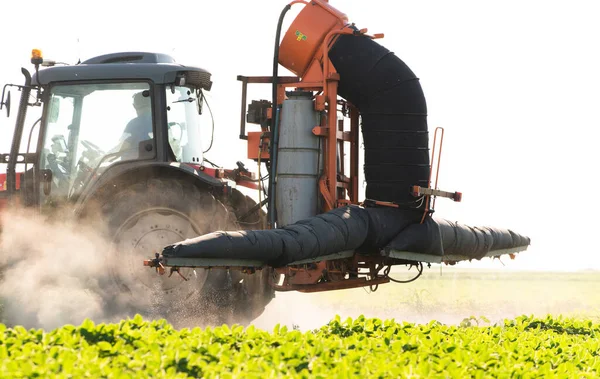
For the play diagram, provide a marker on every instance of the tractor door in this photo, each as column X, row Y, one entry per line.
column 90, row 127
column 186, row 120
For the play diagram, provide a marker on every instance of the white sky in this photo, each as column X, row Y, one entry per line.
column 515, row 84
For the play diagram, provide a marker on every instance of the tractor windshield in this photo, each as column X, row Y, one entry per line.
column 91, row 126
column 184, row 117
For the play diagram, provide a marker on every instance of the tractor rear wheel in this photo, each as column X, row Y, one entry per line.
column 144, row 218
column 254, row 292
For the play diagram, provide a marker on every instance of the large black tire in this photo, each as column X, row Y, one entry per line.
column 147, row 216
column 144, row 218
column 254, row 292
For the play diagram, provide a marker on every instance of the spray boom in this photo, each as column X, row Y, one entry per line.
column 321, row 236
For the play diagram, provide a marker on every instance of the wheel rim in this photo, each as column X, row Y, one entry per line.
column 140, row 237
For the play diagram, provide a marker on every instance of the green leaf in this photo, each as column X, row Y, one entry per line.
column 104, row 346
column 87, row 324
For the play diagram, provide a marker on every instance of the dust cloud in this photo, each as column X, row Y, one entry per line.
column 56, row 270
column 476, row 296
column 311, row 311
column 53, row 271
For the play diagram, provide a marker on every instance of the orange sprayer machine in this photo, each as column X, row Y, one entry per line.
column 319, row 234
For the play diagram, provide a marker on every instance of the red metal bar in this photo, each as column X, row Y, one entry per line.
column 433, row 155
column 341, row 144
column 332, row 286
column 439, row 160
column 354, row 154
column 267, row 79
column 330, row 158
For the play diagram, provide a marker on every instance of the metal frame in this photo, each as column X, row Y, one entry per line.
column 428, row 258
column 335, row 188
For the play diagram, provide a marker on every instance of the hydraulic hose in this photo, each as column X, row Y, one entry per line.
column 276, row 52
column 272, row 191
column 273, row 173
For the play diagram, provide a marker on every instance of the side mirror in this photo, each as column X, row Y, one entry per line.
column 6, row 103
column 200, row 101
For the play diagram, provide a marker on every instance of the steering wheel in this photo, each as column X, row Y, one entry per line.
column 92, row 153
column 59, row 171
column 91, row 146
column 87, row 161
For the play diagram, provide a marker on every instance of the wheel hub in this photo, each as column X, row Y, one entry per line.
column 145, row 234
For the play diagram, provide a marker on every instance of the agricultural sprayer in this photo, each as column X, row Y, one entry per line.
column 117, row 138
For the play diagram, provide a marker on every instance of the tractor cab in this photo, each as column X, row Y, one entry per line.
column 116, row 141
column 119, row 109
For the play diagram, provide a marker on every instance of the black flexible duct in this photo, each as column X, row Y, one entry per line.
column 367, row 230
column 394, row 117
column 338, row 230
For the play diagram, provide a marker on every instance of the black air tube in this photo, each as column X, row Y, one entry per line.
column 394, row 116
column 340, row 229
column 367, row 230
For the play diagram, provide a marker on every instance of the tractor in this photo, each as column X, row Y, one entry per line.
column 117, row 139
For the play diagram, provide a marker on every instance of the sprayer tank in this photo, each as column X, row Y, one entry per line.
column 298, row 160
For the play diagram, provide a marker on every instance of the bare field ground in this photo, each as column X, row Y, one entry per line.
column 456, row 294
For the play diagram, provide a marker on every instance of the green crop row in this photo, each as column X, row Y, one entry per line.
column 525, row 347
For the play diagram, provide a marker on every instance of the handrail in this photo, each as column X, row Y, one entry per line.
column 433, row 156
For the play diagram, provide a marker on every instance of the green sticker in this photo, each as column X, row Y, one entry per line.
column 300, row 36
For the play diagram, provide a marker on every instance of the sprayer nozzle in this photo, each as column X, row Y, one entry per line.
column 155, row 263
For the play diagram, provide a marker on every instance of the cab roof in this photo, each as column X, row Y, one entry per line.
column 157, row 67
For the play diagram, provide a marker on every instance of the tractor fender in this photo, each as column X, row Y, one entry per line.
column 129, row 173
